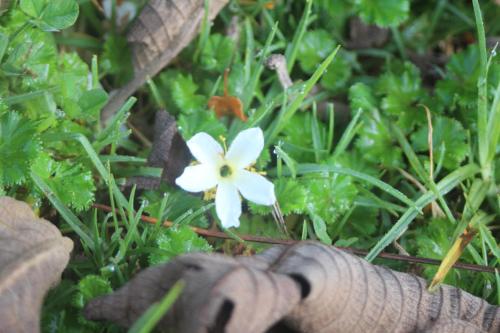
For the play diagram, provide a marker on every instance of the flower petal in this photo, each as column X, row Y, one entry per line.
column 255, row 188
column 205, row 149
column 197, row 178
column 246, row 148
column 228, row 205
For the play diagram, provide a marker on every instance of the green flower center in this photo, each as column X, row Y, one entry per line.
column 225, row 171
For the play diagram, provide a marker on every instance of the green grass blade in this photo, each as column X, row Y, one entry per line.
column 348, row 134
column 291, row 51
column 482, row 85
column 419, row 169
column 444, row 186
column 251, row 86
column 299, row 98
column 74, row 222
column 147, row 322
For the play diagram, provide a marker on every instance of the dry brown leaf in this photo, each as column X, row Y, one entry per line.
column 169, row 152
column 33, row 254
column 158, row 34
column 306, row 287
column 227, row 105
column 222, row 293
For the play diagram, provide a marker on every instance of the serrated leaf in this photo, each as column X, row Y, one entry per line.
column 447, row 132
column 184, row 94
column 297, row 135
column 361, row 97
column 51, row 15
column 376, row 143
column 338, row 72
column 217, row 53
column 458, row 90
column 70, row 182
column 385, row 13
column 401, row 88
column 59, row 14
column 330, row 196
column 290, row 195
column 72, row 81
column 19, row 146
column 175, row 241
column 315, row 47
column 91, row 286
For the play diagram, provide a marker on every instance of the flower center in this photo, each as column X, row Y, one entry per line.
column 225, row 171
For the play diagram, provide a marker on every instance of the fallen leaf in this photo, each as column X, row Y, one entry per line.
column 227, row 105
column 169, row 152
column 305, row 287
column 222, row 295
column 33, row 254
column 158, row 34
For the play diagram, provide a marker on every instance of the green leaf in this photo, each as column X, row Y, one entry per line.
column 448, row 133
column 72, row 81
column 458, row 90
column 361, row 97
column 116, row 58
column 316, row 45
column 92, row 101
column 70, row 182
column 175, row 241
column 330, row 196
column 339, row 72
column 184, row 95
column 51, row 15
column 90, row 287
column 60, row 14
column 19, row 146
column 217, row 53
column 376, row 142
column 385, row 13
column 319, row 226
column 290, row 195
column 401, row 86
column 203, row 121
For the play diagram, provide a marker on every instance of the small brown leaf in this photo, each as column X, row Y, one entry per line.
column 33, row 255
column 227, row 105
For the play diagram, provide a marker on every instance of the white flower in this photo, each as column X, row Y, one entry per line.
column 124, row 11
column 228, row 173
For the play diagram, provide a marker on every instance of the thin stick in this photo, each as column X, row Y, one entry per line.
column 266, row 240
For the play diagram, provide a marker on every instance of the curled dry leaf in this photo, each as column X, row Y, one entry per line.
column 33, row 254
column 306, row 287
column 169, row 152
column 159, row 33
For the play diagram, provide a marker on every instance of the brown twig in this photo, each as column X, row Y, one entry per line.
column 267, row 240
